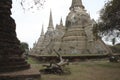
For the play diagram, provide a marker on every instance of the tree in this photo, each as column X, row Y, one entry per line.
column 30, row 4
column 113, row 41
column 109, row 22
column 115, row 48
column 24, row 46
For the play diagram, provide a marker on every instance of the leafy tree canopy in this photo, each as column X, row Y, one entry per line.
column 24, row 46
column 109, row 22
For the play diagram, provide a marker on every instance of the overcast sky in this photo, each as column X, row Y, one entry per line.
column 29, row 23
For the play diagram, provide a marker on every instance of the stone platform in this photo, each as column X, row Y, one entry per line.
column 29, row 74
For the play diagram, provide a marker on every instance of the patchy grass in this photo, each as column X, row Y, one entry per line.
column 32, row 61
column 92, row 70
column 74, row 55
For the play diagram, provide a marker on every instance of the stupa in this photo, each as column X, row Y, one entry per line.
column 76, row 37
column 79, row 37
column 12, row 64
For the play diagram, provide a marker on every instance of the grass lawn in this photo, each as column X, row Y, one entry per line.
column 91, row 70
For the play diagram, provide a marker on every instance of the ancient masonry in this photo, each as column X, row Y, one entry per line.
column 12, row 64
column 10, row 52
column 76, row 37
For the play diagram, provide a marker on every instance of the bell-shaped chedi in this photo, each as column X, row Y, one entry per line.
column 76, row 37
column 76, row 3
column 39, row 46
column 79, row 37
column 75, row 40
column 10, row 51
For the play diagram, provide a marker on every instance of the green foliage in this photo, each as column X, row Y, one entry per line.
column 24, row 46
column 110, row 15
column 113, row 41
column 115, row 48
column 32, row 61
column 110, row 18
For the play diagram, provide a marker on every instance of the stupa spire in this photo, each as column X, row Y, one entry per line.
column 76, row 3
column 50, row 26
column 42, row 31
column 61, row 22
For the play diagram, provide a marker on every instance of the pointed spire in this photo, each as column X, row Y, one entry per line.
column 61, row 22
column 42, row 31
column 76, row 3
column 50, row 26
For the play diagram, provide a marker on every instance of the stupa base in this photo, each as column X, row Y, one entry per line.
column 28, row 74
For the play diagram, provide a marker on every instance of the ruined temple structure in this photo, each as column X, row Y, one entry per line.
column 10, row 52
column 76, row 37
column 12, row 64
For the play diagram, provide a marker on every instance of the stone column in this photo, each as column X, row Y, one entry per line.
column 10, row 52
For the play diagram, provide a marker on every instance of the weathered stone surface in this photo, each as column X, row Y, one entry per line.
column 76, row 37
column 28, row 74
column 10, row 52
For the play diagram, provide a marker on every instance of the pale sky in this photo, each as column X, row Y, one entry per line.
column 29, row 23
